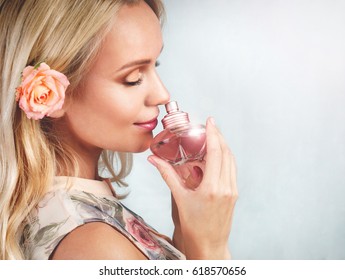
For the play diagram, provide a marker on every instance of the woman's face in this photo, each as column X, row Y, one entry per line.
column 116, row 107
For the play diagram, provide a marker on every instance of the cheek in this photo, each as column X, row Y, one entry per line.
column 105, row 116
column 112, row 98
column 117, row 111
column 102, row 116
column 105, row 104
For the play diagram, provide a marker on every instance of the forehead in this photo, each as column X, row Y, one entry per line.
column 135, row 34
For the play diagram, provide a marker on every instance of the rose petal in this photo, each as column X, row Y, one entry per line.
column 58, row 76
column 27, row 71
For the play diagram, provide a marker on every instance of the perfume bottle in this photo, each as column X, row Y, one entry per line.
column 180, row 142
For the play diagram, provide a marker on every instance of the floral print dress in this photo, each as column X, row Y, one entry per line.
column 72, row 202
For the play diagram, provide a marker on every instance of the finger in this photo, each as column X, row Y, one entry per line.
column 227, row 156
column 195, row 177
column 229, row 169
column 233, row 171
column 168, row 174
column 214, row 155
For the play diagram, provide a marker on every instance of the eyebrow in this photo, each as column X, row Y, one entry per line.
column 137, row 62
column 134, row 63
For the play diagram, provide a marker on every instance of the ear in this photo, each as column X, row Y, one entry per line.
column 57, row 114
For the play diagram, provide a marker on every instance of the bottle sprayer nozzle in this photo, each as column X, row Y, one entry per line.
column 171, row 107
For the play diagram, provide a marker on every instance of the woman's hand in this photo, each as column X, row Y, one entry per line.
column 205, row 212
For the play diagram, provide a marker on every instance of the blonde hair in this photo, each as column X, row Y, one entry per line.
column 66, row 35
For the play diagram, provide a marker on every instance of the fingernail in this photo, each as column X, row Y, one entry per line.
column 152, row 161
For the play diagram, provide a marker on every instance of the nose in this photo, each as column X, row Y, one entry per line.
column 158, row 94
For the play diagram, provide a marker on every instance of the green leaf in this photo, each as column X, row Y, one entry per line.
column 37, row 65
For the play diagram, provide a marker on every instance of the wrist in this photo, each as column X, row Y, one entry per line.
column 178, row 240
column 207, row 253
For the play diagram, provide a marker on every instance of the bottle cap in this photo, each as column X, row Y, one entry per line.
column 174, row 117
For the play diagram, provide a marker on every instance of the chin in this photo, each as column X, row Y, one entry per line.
column 141, row 147
column 145, row 145
column 140, row 151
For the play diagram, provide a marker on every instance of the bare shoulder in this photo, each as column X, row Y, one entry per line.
column 96, row 241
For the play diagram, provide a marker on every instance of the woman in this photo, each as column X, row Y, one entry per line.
column 79, row 81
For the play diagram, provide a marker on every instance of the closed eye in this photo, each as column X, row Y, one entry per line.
column 135, row 78
column 134, row 83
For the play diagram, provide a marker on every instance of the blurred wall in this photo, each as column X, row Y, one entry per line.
column 272, row 73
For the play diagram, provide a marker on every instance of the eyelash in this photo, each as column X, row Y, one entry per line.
column 136, row 83
column 140, row 80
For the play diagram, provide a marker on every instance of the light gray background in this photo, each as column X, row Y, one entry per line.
column 272, row 73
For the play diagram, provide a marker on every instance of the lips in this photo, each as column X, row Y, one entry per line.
column 149, row 125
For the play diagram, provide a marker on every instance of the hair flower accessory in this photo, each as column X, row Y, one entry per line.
column 42, row 91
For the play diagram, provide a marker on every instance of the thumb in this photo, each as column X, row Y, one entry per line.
column 167, row 172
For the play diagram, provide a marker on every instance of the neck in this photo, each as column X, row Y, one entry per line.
column 87, row 166
column 87, row 158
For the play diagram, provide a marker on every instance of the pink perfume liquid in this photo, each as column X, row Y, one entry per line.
column 180, row 141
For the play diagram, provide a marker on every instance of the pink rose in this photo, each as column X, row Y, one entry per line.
column 141, row 233
column 42, row 91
